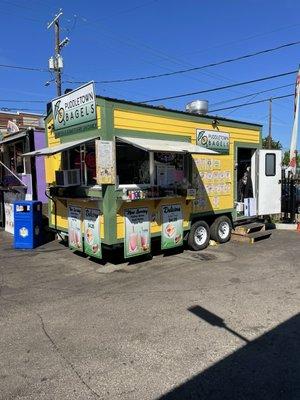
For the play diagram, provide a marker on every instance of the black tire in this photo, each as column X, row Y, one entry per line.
column 216, row 227
column 194, row 239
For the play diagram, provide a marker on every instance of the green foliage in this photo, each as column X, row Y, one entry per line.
column 286, row 158
column 275, row 145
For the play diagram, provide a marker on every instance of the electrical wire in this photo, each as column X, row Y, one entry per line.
column 220, row 87
column 211, row 104
column 125, row 11
column 37, row 69
column 251, row 94
column 24, row 101
column 182, row 71
column 253, row 102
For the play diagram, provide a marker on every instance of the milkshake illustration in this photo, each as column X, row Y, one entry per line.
column 133, row 242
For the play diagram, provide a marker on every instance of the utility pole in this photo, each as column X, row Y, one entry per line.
column 56, row 62
column 270, row 125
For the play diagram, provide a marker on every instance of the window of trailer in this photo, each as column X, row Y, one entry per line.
column 132, row 165
column 82, row 158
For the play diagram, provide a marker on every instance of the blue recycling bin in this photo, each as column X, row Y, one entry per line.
column 28, row 224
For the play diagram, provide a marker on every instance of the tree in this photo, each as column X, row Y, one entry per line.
column 286, row 158
column 275, row 145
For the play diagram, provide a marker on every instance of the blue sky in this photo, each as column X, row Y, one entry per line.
column 118, row 39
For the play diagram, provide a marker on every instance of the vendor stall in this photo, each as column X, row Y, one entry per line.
column 21, row 179
column 122, row 173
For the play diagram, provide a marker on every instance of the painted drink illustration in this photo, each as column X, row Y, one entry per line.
column 144, row 240
column 133, row 242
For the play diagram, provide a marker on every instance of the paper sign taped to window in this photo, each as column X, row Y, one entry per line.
column 105, row 162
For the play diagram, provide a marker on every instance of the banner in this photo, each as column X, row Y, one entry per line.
column 137, row 232
column 172, row 226
column 294, row 138
column 74, row 228
column 213, row 140
column 92, row 239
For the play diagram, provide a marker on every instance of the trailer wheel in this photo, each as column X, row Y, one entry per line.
column 199, row 235
column 220, row 230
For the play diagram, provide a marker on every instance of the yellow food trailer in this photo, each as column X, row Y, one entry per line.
column 120, row 173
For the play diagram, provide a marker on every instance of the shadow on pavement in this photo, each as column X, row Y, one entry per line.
column 264, row 369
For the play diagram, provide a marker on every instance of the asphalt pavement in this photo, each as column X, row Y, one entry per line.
column 223, row 323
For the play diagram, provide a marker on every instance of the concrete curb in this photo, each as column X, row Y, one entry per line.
column 288, row 227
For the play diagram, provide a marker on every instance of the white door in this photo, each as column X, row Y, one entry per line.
column 269, row 178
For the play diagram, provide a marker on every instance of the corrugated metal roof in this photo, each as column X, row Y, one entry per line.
column 11, row 138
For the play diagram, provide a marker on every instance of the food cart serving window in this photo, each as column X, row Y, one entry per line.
column 83, row 159
column 141, row 164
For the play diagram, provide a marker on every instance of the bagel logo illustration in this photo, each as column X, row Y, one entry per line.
column 59, row 112
column 204, row 140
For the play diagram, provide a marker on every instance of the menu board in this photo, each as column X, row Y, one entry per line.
column 9, row 217
column 74, row 228
column 165, row 175
column 172, row 226
column 137, row 232
column 105, row 161
column 92, row 239
column 212, row 178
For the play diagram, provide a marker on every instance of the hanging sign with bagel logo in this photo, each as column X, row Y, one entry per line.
column 213, row 140
column 74, row 109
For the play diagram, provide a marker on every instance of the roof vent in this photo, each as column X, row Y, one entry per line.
column 197, row 107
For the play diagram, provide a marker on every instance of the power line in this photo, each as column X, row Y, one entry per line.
column 24, row 68
column 24, row 101
column 182, row 71
column 252, row 94
column 220, row 87
column 211, row 104
column 253, row 102
column 125, row 11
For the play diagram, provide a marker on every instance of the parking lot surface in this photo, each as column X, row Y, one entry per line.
column 218, row 324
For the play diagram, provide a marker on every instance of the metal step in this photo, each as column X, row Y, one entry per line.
column 251, row 237
column 245, row 229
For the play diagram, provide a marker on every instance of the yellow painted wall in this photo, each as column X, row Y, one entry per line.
column 62, row 212
column 213, row 176
column 146, row 122
column 52, row 163
column 98, row 114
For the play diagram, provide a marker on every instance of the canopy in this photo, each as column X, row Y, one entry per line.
column 171, row 146
column 11, row 137
column 48, row 151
